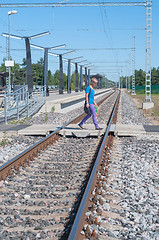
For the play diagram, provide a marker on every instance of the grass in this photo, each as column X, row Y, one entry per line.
column 53, row 109
column 5, row 140
column 154, row 112
column 46, row 117
column 21, row 121
column 155, row 99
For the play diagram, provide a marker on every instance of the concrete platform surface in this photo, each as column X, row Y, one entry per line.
column 58, row 102
column 120, row 130
column 38, row 130
column 88, row 131
column 129, row 130
column 11, row 127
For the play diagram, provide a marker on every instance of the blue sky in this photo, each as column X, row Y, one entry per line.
column 83, row 28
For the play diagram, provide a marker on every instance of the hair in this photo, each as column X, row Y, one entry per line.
column 94, row 80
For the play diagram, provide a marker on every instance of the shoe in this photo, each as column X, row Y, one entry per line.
column 99, row 128
column 80, row 126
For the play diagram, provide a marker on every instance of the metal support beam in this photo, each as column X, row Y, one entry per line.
column 86, row 83
column 129, row 73
column 119, row 79
column 76, row 70
column 148, row 51
column 61, row 83
column 69, row 77
column 81, row 82
column 89, row 76
column 133, row 67
column 126, row 78
column 101, row 82
column 29, row 66
column 45, row 74
column 98, row 84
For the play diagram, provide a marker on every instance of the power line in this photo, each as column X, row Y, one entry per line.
column 84, row 49
column 112, row 29
column 87, row 4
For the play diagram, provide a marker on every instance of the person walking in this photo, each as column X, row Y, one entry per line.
column 90, row 104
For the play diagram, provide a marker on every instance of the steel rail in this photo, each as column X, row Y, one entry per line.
column 73, row 4
column 80, row 216
column 27, row 155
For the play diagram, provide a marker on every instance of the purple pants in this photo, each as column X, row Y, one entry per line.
column 93, row 113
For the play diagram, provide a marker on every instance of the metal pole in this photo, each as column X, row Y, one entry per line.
column 27, row 96
column 69, row 77
column 133, row 67
column 17, row 100
column 129, row 75
column 88, row 76
column 9, row 87
column 76, row 70
column 148, row 51
column 119, row 80
column 86, row 84
column 61, row 85
column 5, row 108
column 81, row 83
column 29, row 66
column 98, row 84
column 101, row 82
column 126, row 78
column 46, row 71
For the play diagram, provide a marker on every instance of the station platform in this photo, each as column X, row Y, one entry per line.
column 56, row 102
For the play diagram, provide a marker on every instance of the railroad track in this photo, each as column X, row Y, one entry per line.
column 42, row 200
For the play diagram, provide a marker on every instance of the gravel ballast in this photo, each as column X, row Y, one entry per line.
column 130, row 113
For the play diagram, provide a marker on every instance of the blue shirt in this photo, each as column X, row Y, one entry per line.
column 91, row 97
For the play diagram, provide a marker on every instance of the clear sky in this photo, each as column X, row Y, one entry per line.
column 83, row 28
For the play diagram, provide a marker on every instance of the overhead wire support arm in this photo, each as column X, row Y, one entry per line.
column 74, row 4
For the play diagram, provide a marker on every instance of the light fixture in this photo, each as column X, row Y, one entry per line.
column 82, row 61
column 43, row 48
column 68, row 52
column 76, row 58
column 11, row 35
column 12, row 12
column 65, row 59
column 35, row 46
column 59, row 46
column 39, row 35
column 53, row 54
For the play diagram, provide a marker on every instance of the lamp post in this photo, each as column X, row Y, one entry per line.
column 81, row 80
column 28, row 55
column 9, row 14
column 61, row 83
column 45, row 67
column 69, row 74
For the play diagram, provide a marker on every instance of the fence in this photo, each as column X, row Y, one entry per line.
column 21, row 104
column 141, row 89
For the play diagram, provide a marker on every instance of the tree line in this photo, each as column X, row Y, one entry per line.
column 18, row 75
column 140, row 76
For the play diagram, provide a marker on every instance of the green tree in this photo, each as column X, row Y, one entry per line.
column 56, row 79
